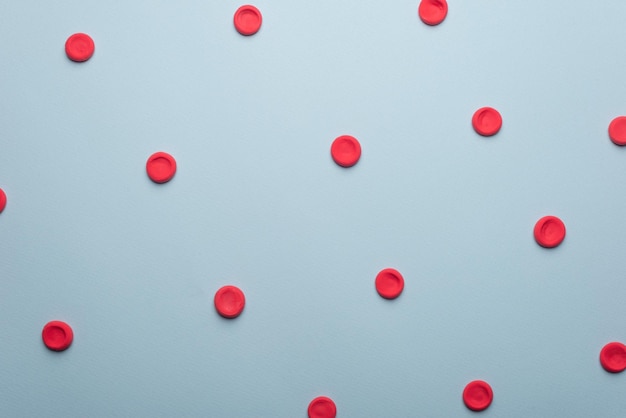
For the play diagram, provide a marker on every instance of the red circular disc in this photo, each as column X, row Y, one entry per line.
column 3, row 200
column 487, row 121
column 433, row 12
column 229, row 301
column 389, row 283
column 79, row 47
column 346, row 150
column 322, row 407
column 477, row 395
column 248, row 20
column 613, row 357
column 161, row 167
column 57, row 335
column 617, row 130
column 549, row 231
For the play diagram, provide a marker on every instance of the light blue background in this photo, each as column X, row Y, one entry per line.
column 257, row 202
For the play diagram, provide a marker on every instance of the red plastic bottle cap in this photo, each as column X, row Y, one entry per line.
column 322, row 407
column 549, row 231
column 161, row 167
column 389, row 283
column 229, row 301
column 487, row 121
column 248, row 20
column 477, row 395
column 617, row 130
column 79, row 47
column 346, row 150
column 613, row 357
column 3, row 200
column 57, row 335
column 433, row 12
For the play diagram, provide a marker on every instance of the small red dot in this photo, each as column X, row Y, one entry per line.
column 487, row 121
column 3, row 200
column 79, row 47
column 229, row 301
column 549, row 231
column 57, row 335
column 617, row 130
column 322, row 407
column 477, row 395
column 433, row 12
column 613, row 357
column 389, row 283
column 248, row 20
column 345, row 150
column 161, row 167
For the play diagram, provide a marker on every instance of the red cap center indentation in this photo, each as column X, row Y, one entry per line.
column 477, row 395
column 322, row 407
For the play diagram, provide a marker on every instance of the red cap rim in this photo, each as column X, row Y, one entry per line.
column 322, row 407
column 229, row 301
column 57, row 335
column 477, row 395
column 243, row 25
column 79, row 47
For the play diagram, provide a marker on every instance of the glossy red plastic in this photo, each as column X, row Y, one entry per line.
column 549, row 231
column 487, row 121
column 79, row 47
column 161, row 167
column 617, row 130
column 3, row 200
column 613, row 357
column 248, row 20
column 345, row 150
column 322, row 407
column 389, row 283
column 57, row 335
column 229, row 301
column 433, row 12
column 477, row 395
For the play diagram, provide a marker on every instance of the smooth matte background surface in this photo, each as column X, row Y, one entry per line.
column 258, row 203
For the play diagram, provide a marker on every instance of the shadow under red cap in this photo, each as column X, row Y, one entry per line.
column 229, row 301
column 477, row 395
column 79, row 47
column 322, row 407
column 57, row 335
column 613, row 357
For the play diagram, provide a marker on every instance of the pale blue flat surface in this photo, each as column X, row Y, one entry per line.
column 257, row 202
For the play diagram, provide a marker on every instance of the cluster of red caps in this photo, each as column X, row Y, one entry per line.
column 345, row 150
